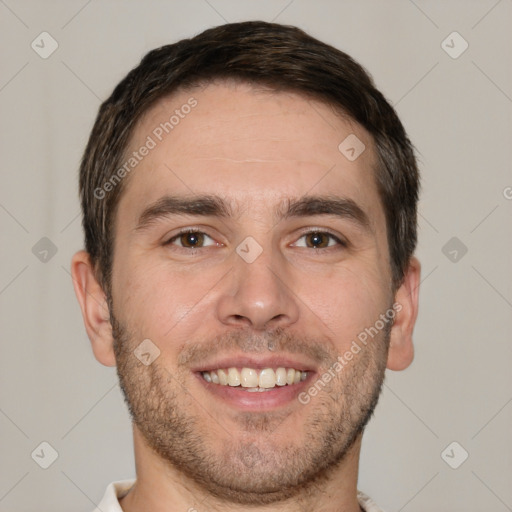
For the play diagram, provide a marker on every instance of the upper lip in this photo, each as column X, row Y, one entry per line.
column 256, row 362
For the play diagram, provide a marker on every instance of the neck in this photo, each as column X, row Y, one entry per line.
column 160, row 487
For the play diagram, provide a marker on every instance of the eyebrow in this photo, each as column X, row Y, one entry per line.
column 216, row 206
column 342, row 207
column 166, row 206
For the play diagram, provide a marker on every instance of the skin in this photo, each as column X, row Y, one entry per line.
column 261, row 148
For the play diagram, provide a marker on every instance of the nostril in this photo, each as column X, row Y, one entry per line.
column 276, row 320
column 240, row 320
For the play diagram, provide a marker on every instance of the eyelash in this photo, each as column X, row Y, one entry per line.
column 332, row 236
column 184, row 232
column 340, row 242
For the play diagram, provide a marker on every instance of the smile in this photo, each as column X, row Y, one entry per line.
column 255, row 380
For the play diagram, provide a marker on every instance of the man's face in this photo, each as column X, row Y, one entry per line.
column 279, row 280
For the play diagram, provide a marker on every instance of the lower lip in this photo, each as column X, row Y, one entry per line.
column 238, row 397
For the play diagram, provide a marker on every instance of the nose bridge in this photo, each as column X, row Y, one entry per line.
column 258, row 294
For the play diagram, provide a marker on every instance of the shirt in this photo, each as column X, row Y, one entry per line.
column 116, row 490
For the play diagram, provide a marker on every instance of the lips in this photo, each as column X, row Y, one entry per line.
column 274, row 381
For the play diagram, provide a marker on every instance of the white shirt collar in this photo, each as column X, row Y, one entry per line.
column 110, row 500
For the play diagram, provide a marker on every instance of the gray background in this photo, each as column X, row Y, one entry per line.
column 457, row 112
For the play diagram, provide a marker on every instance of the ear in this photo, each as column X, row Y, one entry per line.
column 401, row 350
column 93, row 303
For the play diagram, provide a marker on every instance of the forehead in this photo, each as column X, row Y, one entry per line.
column 253, row 145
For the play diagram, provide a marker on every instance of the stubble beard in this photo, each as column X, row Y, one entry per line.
column 251, row 468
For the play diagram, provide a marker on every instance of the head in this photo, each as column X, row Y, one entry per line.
column 297, row 187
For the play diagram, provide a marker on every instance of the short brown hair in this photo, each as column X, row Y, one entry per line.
column 283, row 58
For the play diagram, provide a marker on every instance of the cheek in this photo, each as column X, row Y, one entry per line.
column 155, row 299
column 346, row 301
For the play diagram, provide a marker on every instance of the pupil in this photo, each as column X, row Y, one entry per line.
column 192, row 239
column 317, row 240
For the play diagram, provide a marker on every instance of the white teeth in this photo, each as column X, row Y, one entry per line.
column 223, row 378
column 249, row 378
column 255, row 380
column 233, row 377
column 267, row 378
column 281, row 377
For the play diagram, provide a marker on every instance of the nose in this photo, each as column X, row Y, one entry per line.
column 258, row 294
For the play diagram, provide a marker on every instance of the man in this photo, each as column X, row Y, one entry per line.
column 249, row 203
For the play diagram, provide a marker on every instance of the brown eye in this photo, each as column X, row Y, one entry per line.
column 194, row 239
column 318, row 240
column 191, row 240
